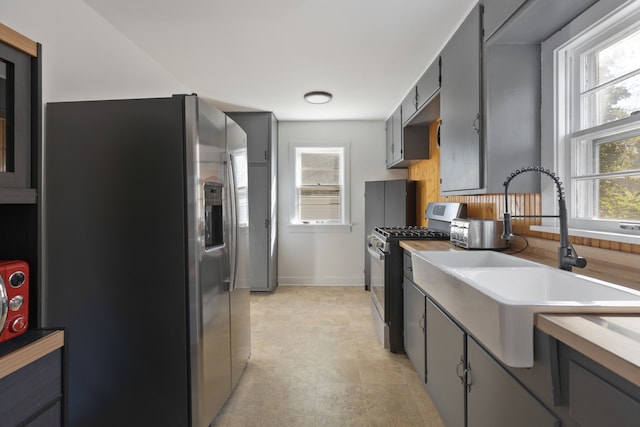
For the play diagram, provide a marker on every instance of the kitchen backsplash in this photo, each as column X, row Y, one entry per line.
column 490, row 206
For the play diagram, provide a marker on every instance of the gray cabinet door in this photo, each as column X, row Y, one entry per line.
column 428, row 84
column 460, row 136
column 256, row 126
column 409, row 105
column 496, row 399
column 414, row 326
column 496, row 12
column 396, row 146
column 445, row 361
column 262, row 153
column 373, row 217
column 593, row 401
column 399, row 202
column 259, row 191
column 390, row 136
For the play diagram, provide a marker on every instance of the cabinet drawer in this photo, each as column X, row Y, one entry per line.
column 407, row 265
column 595, row 402
column 52, row 417
column 31, row 390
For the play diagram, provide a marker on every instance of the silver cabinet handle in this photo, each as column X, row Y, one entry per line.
column 459, row 374
column 421, row 322
column 476, row 124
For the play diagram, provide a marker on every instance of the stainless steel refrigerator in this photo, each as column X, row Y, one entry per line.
column 145, row 258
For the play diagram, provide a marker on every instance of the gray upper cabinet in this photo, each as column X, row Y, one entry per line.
column 528, row 21
column 409, row 105
column 428, row 84
column 20, row 120
column 259, row 146
column 262, row 152
column 460, row 102
column 394, row 138
column 389, row 133
column 408, row 126
column 496, row 12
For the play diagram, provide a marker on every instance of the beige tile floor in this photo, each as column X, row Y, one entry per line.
column 316, row 362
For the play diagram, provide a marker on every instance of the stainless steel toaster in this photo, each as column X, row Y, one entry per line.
column 477, row 233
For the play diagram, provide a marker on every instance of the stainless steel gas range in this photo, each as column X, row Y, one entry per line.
column 386, row 267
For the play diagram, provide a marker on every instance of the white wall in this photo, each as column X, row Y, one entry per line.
column 330, row 258
column 84, row 57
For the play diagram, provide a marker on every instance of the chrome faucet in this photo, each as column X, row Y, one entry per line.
column 567, row 256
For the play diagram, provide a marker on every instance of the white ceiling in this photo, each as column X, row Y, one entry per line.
column 265, row 54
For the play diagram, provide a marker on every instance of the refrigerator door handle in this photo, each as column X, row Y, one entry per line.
column 234, row 222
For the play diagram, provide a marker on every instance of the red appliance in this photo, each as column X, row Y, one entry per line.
column 14, row 299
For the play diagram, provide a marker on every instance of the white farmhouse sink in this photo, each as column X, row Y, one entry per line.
column 495, row 298
column 455, row 259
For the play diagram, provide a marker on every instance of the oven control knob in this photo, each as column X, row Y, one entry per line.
column 16, row 302
column 18, row 324
column 17, row 279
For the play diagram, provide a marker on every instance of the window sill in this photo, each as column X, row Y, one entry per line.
column 319, row 228
column 600, row 235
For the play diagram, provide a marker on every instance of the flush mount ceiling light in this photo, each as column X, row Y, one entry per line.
column 317, row 97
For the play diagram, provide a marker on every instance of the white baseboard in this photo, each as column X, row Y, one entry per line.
column 320, row 281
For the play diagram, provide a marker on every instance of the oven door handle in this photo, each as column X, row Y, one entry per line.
column 376, row 252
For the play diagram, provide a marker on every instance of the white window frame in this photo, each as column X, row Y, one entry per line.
column 295, row 225
column 560, row 116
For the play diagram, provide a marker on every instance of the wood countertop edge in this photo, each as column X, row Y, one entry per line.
column 18, row 41
column 30, row 353
column 616, row 352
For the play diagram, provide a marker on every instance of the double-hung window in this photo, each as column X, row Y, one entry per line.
column 320, row 184
column 599, row 99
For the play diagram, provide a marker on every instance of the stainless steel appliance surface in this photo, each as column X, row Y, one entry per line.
column 386, row 267
column 476, row 233
column 145, row 255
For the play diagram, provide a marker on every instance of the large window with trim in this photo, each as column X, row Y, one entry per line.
column 599, row 99
column 320, row 193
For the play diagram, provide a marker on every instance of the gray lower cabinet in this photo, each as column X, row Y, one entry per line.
column 445, row 365
column 262, row 153
column 595, row 395
column 414, row 321
column 31, row 396
column 495, row 398
column 593, row 401
column 469, row 387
